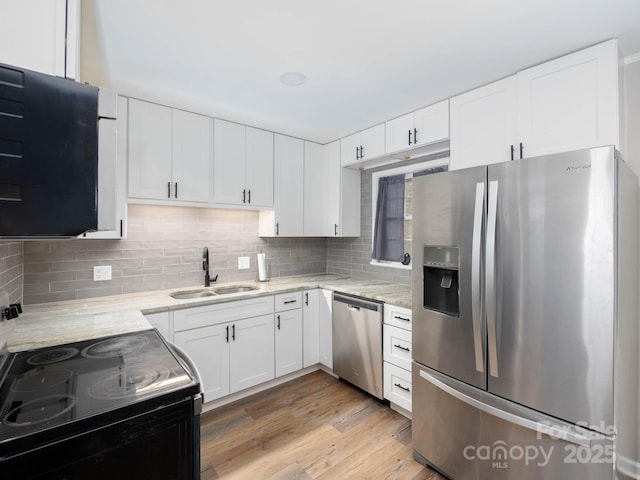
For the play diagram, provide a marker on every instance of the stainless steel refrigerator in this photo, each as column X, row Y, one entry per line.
column 525, row 293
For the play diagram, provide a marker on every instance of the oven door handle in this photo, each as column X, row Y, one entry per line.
column 187, row 364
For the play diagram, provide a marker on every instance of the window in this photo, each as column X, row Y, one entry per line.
column 392, row 199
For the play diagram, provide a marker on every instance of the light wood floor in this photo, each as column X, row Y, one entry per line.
column 314, row 427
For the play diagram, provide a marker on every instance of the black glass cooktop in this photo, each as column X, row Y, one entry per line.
column 56, row 386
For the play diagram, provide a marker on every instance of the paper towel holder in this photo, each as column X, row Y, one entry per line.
column 264, row 267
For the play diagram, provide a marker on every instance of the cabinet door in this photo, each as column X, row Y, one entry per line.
column 310, row 327
column 326, row 329
column 484, row 125
column 191, row 166
column 209, row 349
column 349, row 149
column 332, row 169
column 289, row 185
column 162, row 322
column 399, row 133
column 288, row 341
column 259, row 172
column 32, row 35
column 229, row 146
column 373, row 144
column 570, row 103
column 252, row 352
column 315, row 198
column 149, row 150
column 431, row 124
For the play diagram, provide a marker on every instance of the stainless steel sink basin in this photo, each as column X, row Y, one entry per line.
column 234, row 289
column 192, row 294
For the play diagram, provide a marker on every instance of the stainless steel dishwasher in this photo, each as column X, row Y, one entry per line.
column 357, row 342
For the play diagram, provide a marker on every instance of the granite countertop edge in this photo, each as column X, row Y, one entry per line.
column 58, row 323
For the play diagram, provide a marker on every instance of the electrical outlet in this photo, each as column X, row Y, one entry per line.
column 102, row 272
column 243, row 263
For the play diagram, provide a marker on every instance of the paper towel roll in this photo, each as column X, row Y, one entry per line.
column 262, row 267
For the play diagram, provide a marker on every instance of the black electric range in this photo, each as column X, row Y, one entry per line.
column 79, row 410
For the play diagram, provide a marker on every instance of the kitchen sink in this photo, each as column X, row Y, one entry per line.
column 192, row 294
column 234, row 289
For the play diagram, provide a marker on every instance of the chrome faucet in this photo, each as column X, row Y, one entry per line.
column 205, row 267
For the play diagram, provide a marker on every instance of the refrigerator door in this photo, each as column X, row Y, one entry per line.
column 550, row 291
column 468, row 434
column 448, row 327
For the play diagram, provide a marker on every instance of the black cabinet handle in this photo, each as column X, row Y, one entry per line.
column 121, row 228
column 278, row 322
column 415, row 136
column 306, row 298
column 244, row 196
column 233, row 332
column 168, row 189
column 406, row 389
column 406, row 349
column 361, row 152
column 277, row 228
column 402, row 318
column 521, row 150
column 176, row 190
column 335, row 229
column 512, row 151
column 227, row 333
column 290, row 301
column 249, row 195
column 357, row 153
column 409, row 137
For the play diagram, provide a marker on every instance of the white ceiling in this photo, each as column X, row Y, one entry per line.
column 366, row 61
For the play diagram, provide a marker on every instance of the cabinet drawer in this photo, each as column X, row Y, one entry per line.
column 397, row 316
column 288, row 301
column 397, row 346
column 397, row 385
column 220, row 313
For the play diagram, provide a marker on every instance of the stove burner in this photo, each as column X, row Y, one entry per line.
column 41, row 379
column 40, row 410
column 52, row 356
column 129, row 381
column 115, row 347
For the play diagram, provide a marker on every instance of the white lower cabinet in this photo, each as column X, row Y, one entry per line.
column 311, row 327
column 232, row 352
column 288, row 333
column 162, row 322
column 396, row 349
column 325, row 329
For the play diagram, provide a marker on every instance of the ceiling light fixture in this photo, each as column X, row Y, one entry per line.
column 293, row 79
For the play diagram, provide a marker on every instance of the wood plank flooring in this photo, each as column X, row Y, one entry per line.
column 314, row 427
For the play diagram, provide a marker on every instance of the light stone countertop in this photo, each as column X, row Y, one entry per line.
column 58, row 323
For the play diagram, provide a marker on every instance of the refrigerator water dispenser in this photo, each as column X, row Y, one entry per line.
column 440, row 268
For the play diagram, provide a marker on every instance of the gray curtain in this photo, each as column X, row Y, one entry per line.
column 388, row 234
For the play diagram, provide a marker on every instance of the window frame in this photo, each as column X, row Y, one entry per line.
column 375, row 177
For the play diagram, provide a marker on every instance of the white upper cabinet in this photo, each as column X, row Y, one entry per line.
column 363, row 145
column 41, row 36
column 422, row 127
column 243, row 165
column 342, row 187
column 191, row 166
column 169, row 154
column 149, row 150
column 570, row 103
column 484, row 125
column 565, row 104
column 286, row 218
column 315, row 194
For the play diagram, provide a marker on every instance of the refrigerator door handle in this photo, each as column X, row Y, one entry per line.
column 491, row 278
column 540, row 428
column 476, row 254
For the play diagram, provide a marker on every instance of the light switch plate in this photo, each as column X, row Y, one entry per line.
column 102, row 272
column 243, row 263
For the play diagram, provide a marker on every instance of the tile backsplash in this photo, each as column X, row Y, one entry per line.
column 11, row 269
column 163, row 250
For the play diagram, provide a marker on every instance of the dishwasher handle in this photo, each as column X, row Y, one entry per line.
column 356, row 303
